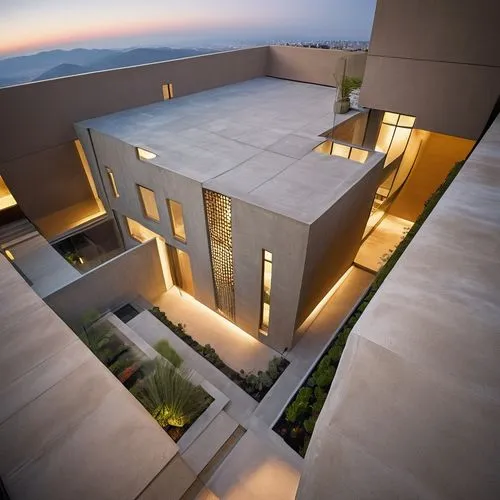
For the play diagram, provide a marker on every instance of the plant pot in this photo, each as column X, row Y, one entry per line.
column 342, row 106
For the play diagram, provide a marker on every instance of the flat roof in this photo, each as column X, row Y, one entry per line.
column 252, row 140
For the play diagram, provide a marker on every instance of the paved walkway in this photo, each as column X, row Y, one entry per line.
column 375, row 250
column 236, row 348
column 261, row 465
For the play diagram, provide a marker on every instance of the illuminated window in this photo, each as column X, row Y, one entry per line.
column 148, row 202
column 6, row 198
column 180, row 269
column 138, row 231
column 218, row 214
column 342, row 150
column 112, row 182
column 394, row 135
column 168, row 91
column 88, row 174
column 144, row 154
column 177, row 220
column 267, row 272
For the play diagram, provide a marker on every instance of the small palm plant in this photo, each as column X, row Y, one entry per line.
column 170, row 396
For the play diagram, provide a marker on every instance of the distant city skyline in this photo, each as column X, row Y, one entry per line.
column 28, row 26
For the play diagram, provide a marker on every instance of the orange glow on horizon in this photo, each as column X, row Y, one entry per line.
column 68, row 34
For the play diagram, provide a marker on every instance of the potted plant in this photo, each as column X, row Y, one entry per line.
column 348, row 84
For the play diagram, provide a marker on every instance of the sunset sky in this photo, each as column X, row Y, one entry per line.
column 32, row 25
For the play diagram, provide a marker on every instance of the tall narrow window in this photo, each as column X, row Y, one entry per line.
column 219, row 214
column 177, row 220
column 267, row 273
column 180, row 269
column 168, row 91
column 394, row 135
column 112, row 182
column 148, row 202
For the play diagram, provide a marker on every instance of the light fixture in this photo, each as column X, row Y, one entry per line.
column 144, row 154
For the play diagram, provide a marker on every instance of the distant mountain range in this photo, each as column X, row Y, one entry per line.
column 57, row 63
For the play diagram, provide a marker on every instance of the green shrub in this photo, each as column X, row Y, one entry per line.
column 299, row 406
column 170, row 396
column 168, row 352
column 309, row 424
column 335, row 353
column 324, row 377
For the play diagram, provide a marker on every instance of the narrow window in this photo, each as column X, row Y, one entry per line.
column 177, row 220
column 144, row 154
column 112, row 182
column 180, row 269
column 148, row 202
column 168, row 91
column 267, row 272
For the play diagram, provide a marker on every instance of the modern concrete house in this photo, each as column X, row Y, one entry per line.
column 258, row 225
column 222, row 189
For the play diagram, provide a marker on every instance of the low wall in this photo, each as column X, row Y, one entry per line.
column 136, row 272
column 312, row 65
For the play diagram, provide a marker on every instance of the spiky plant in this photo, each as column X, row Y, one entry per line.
column 168, row 352
column 170, row 396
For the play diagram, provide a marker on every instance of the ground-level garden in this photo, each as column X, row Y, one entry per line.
column 256, row 385
column 161, row 385
column 297, row 422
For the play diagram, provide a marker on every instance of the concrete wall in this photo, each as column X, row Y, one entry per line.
column 255, row 229
column 136, row 272
column 312, row 65
column 128, row 172
column 437, row 61
column 334, row 240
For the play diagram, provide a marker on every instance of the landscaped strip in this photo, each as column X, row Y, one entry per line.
column 256, row 385
column 162, row 386
column 297, row 422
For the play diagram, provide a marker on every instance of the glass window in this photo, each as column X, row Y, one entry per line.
column 148, row 202
column 390, row 118
column 138, row 231
column 406, row 121
column 340, row 150
column 112, row 182
column 359, row 155
column 398, row 145
column 267, row 271
column 177, row 220
column 168, row 91
column 6, row 198
column 384, row 138
column 144, row 154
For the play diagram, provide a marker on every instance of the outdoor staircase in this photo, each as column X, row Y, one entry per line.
column 16, row 232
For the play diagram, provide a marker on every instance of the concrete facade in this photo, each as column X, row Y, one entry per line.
column 421, row 63
column 252, row 142
column 36, row 142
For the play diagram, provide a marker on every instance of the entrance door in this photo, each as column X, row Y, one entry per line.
column 180, row 267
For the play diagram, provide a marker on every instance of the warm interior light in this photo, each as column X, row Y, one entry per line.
column 168, row 91
column 312, row 316
column 148, row 201
column 177, row 220
column 267, row 272
column 144, row 154
column 6, row 198
column 340, row 150
column 9, row 255
column 390, row 118
column 88, row 174
column 406, row 121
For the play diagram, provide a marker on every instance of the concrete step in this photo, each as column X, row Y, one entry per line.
column 209, row 442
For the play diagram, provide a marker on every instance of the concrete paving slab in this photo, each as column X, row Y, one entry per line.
column 254, row 470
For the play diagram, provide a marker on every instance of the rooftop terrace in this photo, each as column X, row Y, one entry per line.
column 251, row 140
